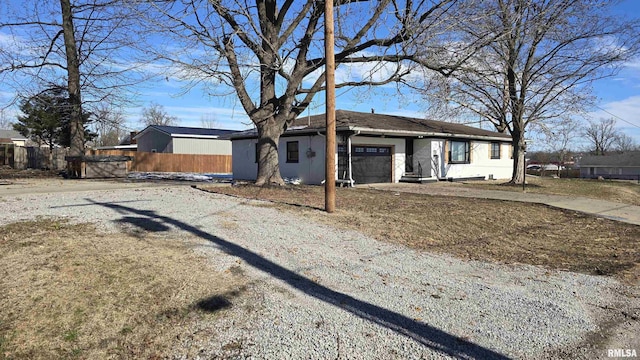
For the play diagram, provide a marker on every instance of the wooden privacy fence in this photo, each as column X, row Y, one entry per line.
column 161, row 162
column 150, row 162
column 32, row 157
column 6, row 154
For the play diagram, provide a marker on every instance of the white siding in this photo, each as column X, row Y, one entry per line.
column 310, row 165
column 244, row 166
column 201, row 146
column 481, row 164
column 309, row 168
column 430, row 153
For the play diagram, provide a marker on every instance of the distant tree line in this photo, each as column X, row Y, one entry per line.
column 605, row 137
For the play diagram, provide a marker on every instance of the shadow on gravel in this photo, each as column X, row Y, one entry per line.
column 144, row 223
column 423, row 333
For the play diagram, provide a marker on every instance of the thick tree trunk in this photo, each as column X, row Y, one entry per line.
column 517, row 177
column 49, row 164
column 268, row 165
column 73, row 72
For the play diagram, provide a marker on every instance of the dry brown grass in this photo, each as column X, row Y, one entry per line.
column 70, row 292
column 627, row 192
column 488, row 230
column 9, row 173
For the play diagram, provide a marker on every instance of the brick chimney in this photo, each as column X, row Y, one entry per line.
column 131, row 137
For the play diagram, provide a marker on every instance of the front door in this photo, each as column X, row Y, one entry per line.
column 408, row 158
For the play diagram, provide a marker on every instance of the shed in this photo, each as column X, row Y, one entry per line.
column 184, row 140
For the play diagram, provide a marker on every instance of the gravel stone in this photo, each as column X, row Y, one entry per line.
column 317, row 292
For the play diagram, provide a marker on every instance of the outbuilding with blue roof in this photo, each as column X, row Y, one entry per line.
column 184, row 140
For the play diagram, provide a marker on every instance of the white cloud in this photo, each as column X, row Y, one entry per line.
column 627, row 109
column 626, row 112
column 25, row 46
column 633, row 64
column 630, row 72
column 190, row 116
column 13, row 44
column 6, row 95
column 225, row 117
column 369, row 71
column 6, row 39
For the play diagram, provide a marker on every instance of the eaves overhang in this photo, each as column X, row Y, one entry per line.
column 376, row 132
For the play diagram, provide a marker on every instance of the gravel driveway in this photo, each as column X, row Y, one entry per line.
column 317, row 292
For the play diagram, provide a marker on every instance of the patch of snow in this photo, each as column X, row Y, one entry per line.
column 213, row 177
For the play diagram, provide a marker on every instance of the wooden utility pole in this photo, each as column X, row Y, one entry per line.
column 330, row 148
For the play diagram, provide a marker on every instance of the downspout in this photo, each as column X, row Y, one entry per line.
column 351, row 181
column 356, row 132
column 320, row 134
column 309, row 159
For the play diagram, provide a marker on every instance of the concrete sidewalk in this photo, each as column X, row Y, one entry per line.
column 606, row 209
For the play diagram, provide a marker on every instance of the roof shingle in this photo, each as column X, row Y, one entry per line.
column 192, row 131
column 627, row 159
column 381, row 123
column 393, row 122
column 11, row 134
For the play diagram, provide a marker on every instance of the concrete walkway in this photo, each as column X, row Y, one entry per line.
column 606, row 209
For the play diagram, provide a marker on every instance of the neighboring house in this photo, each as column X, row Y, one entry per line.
column 381, row 148
column 128, row 143
column 615, row 166
column 9, row 140
column 12, row 137
column 184, row 140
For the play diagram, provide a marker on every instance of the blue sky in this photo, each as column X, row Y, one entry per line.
column 618, row 97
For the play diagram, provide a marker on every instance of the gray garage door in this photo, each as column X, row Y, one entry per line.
column 371, row 164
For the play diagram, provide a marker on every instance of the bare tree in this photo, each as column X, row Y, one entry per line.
column 108, row 123
column 625, row 143
column 80, row 43
column 208, row 121
column 602, row 135
column 541, row 66
column 5, row 122
column 559, row 136
column 155, row 114
column 270, row 53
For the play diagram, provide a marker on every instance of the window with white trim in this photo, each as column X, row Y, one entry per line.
column 495, row 150
column 292, row 152
column 459, row 152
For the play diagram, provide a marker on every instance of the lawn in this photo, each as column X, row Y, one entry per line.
column 486, row 230
column 627, row 192
column 68, row 291
column 9, row 173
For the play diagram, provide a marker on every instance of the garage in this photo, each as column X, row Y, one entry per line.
column 371, row 164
